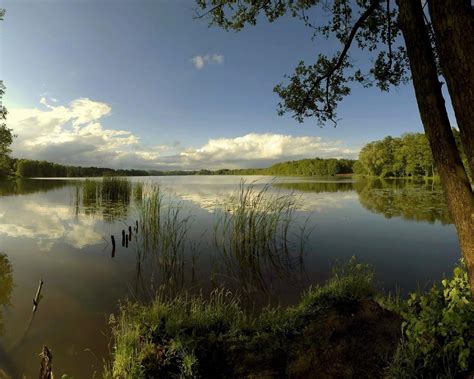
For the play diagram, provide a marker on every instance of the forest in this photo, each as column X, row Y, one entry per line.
column 31, row 168
column 306, row 167
column 407, row 156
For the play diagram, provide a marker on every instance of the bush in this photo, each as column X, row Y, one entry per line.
column 438, row 331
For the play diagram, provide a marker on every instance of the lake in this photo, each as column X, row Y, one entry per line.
column 50, row 231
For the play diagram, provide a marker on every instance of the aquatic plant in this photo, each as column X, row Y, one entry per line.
column 115, row 188
column 164, row 231
column 254, row 234
column 137, row 191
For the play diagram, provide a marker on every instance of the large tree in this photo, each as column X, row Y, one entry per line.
column 424, row 42
column 6, row 136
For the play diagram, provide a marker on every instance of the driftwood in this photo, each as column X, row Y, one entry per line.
column 46, row 371
column 38, row 294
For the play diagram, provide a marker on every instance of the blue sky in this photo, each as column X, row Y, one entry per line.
column 141, row 83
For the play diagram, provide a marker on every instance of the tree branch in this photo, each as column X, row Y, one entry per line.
column 358, row 24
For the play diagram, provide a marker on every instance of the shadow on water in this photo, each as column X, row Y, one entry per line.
column 7, row 368
column 417, row 200
column 13, row 187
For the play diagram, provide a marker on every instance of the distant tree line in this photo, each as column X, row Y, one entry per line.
column 303, row 167
column 30, row 168
column 407, row 156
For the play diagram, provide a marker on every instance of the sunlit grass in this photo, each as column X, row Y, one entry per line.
column 193, row 335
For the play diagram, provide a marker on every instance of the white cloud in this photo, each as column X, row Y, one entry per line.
column 200, row 61
column 259, row 150
column 74, row 135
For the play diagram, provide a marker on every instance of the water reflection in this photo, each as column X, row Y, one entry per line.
column 6, row 285
column 408, row 199
column 417, row 201
column 28, row 186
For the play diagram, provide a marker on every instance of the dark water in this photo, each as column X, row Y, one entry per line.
column 400, row 227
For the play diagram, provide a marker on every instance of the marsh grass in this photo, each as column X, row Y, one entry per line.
column 109, row 197
column 254, row 233
column 164, row 228
column 116, row 189
column 137, row 191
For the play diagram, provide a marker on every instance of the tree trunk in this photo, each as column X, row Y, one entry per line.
column 453, row 24
column 456, row 186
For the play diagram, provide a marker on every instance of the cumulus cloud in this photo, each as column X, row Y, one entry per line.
column 73, row 134
column 260, row 150
column 199, row 61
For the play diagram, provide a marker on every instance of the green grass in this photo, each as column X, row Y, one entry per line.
column 195, row 335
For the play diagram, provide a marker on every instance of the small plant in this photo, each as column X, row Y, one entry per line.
column 438, row 331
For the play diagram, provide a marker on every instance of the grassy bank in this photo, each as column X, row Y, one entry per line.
column 340, row 329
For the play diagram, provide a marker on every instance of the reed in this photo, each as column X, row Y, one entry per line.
column 253, row 234
column 115, row 189
column 164, row 231
column 137, row 191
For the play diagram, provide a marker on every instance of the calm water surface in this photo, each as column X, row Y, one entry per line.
column 402, row 228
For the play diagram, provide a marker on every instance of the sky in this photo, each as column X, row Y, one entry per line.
column 142, row 84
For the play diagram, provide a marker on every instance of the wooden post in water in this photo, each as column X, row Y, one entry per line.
column 37, row 297
column 129, row 233
column 136, row 223
column 126, row 241
column 113, row 245
column 46, row 371
column 123, row 237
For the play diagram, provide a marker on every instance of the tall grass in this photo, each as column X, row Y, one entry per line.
column 254, row 232
column 116, row 189
column 164, row 232
column 109, row 196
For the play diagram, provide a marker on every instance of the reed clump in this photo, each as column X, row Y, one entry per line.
column 116, row 189
column 164, row 229
column 253, row 233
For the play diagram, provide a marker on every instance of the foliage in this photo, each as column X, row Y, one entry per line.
column 315, row 89
column 6, row 134
column 438, row 331
column 30, row 168
column 409, row 155
column 188, row 336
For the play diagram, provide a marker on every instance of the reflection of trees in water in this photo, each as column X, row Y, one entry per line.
column 317, row 187
column 6, row 284
column 421, row 200
column 27, row 186
column 411, row 200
